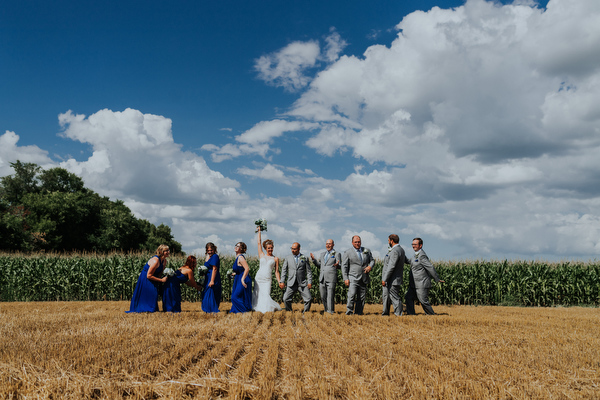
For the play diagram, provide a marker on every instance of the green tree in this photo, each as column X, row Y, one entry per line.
column 160, row 235
column 69, row 221
column 120, row 229
column 24, row 181
column 14, row 231
column 52, row 210
column 60, row 180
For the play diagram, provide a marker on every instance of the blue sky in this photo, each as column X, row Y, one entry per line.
column 473, row 125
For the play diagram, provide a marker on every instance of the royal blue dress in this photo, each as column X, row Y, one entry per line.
column 171, row 296
column 211, row 297
column 145, row 295
column 241, row 297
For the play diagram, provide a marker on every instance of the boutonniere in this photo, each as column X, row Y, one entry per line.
column 365, row 251
column 333, row 254
column 389, row 249
column 302, row 258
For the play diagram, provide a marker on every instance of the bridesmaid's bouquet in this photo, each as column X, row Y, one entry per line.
column 202, row 270
column 230, row 273
column 168, row 272
column 262, row 223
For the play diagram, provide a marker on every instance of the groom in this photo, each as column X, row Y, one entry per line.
column 300, row 278
column 357, row 263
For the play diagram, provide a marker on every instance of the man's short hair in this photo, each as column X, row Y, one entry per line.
column 419, row 239
column 394, row 238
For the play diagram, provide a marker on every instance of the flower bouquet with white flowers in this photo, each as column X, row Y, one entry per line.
column 262, row 223
column 168, row 272
column 230, row 273
column 202, row 270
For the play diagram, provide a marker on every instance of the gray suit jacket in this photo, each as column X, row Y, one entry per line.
column 423, row 270
column 300, row 272
column 393, row 266
column 353, row 267
column 328, row 271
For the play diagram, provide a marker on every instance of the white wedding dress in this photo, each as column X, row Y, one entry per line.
column 261, row 294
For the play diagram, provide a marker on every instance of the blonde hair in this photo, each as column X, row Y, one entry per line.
column 161, row 249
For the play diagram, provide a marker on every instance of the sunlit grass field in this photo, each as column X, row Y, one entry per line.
column 95, row 350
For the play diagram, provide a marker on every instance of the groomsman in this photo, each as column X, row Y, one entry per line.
column 391, row 276
column 299, row 280
column 328, row 262
column 357, row 262
column 421, row 273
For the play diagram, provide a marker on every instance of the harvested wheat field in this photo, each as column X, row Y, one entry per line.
column 95, row 350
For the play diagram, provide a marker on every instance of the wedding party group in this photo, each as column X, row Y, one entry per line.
column 295, row 276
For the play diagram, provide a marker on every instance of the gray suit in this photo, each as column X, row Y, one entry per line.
column 328, row 277
column 353, row 267
column 421, row 273
column 393, row 269
column 300, row 275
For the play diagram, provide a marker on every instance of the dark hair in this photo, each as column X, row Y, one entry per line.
column 211, row 245
column 190, row 261
column 419, row 239
column 243, row 246
column 394, row 238
column 267, row 242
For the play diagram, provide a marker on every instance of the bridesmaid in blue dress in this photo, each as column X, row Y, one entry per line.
column 211, row 297
column 241, row 291
column 148, row 286
column 171, row 297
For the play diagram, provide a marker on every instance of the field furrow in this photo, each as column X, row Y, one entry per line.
column 94, row 350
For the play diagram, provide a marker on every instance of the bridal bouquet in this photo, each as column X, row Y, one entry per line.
column 168, row 272
column 262, row 223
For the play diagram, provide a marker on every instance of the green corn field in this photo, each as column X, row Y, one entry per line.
column 85, row 277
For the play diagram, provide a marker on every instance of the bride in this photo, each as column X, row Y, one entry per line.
column 261, row 295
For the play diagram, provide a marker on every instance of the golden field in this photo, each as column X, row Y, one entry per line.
column 60, row 350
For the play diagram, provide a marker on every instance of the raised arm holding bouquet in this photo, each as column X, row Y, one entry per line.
column 261, row 295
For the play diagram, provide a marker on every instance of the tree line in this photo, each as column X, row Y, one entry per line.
column 52, row 210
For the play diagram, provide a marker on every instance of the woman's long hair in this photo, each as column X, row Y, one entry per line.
column 191, row 260
column 161, row 249
column 211, row 245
